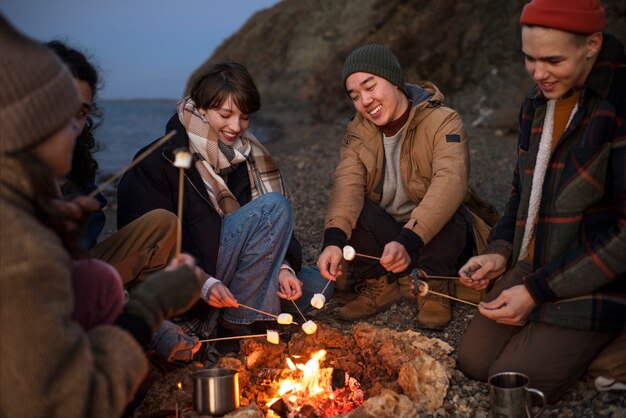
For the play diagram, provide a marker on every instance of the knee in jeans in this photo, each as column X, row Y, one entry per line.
column 278, row 203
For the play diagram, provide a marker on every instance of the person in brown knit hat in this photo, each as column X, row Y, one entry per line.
column 557, row 253
column 52, row 365
column 398, row 190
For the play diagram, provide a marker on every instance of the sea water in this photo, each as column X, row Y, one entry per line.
column 126, row 127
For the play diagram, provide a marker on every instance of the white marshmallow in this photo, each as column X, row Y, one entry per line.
column 272, row 336
column 309, row 327
column 422, row 288
column 183, row 159
column 349, row 253
column 284, row 318
column 318, row 300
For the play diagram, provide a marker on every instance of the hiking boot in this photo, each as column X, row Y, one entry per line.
column 404, row 284
column 376, row 296
column 344, row 287
column 434, row 311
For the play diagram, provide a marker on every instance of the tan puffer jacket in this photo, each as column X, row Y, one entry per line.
column 434, row 166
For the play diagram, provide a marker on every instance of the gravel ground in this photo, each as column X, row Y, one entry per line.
column 308, row 159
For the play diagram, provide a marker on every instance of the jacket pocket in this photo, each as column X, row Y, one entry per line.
column 584, row 184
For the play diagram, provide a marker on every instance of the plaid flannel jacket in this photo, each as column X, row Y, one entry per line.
column 579, row 263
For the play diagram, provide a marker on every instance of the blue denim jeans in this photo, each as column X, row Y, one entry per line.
column 253, row 245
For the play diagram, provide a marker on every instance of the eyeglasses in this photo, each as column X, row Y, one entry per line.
column 84, row 110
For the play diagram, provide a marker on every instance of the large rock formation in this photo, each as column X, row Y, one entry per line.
column 470, row 49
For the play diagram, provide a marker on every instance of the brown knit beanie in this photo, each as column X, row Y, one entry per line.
column 374, row 59
column 37, row 92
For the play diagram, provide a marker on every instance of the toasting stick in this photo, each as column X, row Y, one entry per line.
column 133, row 163
column 281, row 319
column 349, row 253
column 421, row 288
column 422, row 275
column 182, row 160
column 271, row 336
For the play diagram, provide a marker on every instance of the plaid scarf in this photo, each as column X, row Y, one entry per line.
column 214, row 160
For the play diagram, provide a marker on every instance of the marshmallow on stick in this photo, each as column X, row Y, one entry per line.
column 349, row 253
column 309, row 327
column 272, row 336
column 284, row 319
column 318, row 300
column 182, row 158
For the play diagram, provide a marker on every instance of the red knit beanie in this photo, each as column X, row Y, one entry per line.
column 577, row 16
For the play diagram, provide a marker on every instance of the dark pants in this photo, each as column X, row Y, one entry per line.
column 443, row 255
column 553, row 357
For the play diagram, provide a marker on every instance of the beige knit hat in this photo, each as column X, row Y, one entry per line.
column 37, row 92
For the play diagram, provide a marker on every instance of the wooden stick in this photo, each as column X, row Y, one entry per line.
column 241, row 305
column 132, row 164
column 179, row 225
column 367, row 256
column 452, row 297
column 443, row 277
column 325, row 287
column 299, row 311
column 236, row 337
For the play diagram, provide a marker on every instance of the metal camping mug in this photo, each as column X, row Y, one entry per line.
column 509, row 395
column 215, row 391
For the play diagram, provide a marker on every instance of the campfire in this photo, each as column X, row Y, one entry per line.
column 308, row 390
column 373, row 371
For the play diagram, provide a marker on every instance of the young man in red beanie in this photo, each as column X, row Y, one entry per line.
column 561, row 243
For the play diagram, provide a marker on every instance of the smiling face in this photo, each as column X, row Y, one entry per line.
column 558, row 61
column 376, row 98
column 227, row 120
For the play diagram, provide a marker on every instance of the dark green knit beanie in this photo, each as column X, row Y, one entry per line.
column 374, row 59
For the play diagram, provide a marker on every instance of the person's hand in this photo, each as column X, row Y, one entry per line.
column 171, row 343
column 220, row 297
column 512, row 307
column 395, row 257
column 75, row 211
column 290, row 286
column 186, row 259
column 481, row 269
column 329, row 262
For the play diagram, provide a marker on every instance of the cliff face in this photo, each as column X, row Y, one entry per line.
column 470, row 49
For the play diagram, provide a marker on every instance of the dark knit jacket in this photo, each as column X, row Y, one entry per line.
column 153, row 183
column 579, row 261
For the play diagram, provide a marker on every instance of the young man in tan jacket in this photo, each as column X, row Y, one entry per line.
column 398, row 189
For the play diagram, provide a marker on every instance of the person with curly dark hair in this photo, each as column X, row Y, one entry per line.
column 56, row 363
column 142, row 247
column 82, row 178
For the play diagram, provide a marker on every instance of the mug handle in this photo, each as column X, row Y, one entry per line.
column 540, row 395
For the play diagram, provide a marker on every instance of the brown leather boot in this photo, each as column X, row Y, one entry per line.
column 376, row 296
column 344, row 288
column 434, row 311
